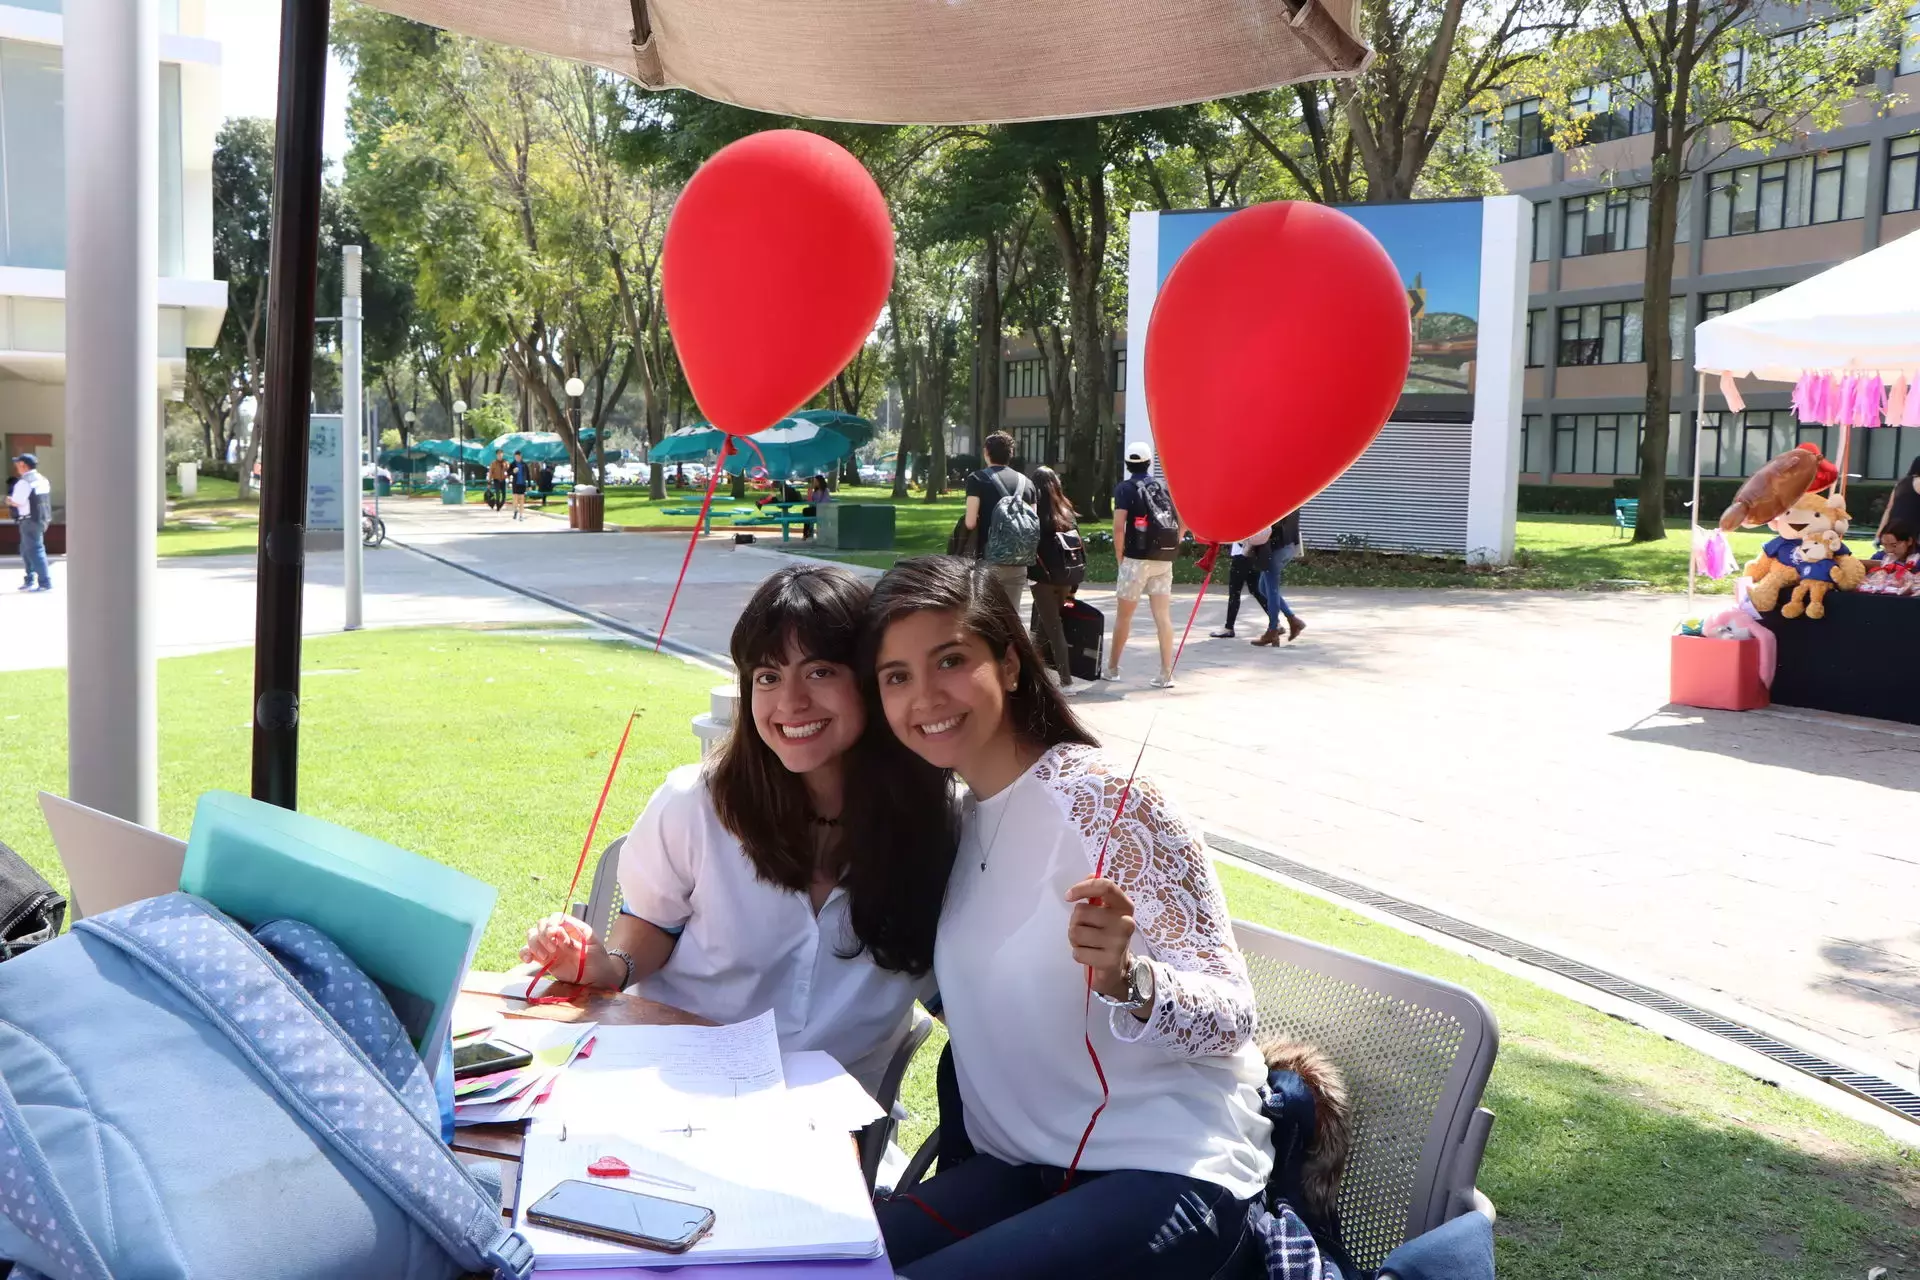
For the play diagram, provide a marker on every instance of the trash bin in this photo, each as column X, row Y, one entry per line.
column 453, row 493
column 587, row 510
column 189, row 475
column 855, row 526
column 382, row 487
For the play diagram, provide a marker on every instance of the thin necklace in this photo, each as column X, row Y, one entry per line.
column 986, row 850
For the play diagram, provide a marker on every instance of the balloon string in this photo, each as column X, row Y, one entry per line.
column 1086, row 1006
column 706, row 505
column 580, row 972
column 1214, row 559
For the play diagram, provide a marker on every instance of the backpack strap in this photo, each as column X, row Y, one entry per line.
column 317, row 1070
column 32, row 1200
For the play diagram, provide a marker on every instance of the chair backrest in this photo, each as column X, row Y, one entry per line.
column 1626, row 506
column 1415, row 1052
column 603, row 899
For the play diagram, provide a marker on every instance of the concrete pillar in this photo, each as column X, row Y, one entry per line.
column 112, row 93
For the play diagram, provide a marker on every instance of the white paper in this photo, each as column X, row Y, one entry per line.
column 820, row 1089
column 783, row 1191
column 110, row 862
column 677, row 1077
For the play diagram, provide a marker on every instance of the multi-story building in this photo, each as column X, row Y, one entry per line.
column 1750, row 224
column 1023, row 407
column 33, row 221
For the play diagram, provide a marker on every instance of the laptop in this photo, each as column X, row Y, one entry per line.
column 110, row 861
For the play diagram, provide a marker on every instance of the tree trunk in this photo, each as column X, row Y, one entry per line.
column 987, row 339
column 1663, row 203
column 1083, row 260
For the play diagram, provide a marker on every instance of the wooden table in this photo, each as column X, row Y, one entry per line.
column 504, row 1143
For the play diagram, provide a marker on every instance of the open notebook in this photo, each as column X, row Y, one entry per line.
column 791, row 1192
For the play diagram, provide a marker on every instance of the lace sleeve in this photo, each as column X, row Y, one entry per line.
column 1203, row 999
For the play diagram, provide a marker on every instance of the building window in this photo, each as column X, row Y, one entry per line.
column 1120, row 370
column 1738, row 444
column 1026, row 378
column 1910, row 44
column 1830, row 186
column 1533, row 444
column 1903, row 174
column 1035, row 447
column 1521, row 133
column 1618, row 109
column 1605, row 222
column 1542, row 230
column 1538, row 337
column 1600, row 333
column 1718, row 304
column 1597, row 444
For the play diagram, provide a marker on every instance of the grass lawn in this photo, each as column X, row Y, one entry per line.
column 1553, row 552
column 214, row 522
column 1616, row 1154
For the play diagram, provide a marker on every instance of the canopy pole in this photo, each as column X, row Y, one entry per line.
column 286, row 403
column 1693, row 511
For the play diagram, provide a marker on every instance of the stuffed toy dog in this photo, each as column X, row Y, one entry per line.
column 1808, row 556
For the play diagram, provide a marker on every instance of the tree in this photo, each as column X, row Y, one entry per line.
column 1714, row 76
column 220, row 378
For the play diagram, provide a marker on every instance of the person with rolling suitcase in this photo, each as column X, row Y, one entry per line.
column 1059, row 566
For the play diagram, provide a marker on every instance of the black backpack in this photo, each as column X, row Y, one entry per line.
column 30, row 911
column 1153, row 532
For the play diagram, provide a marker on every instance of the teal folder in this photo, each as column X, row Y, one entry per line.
column 411, row 924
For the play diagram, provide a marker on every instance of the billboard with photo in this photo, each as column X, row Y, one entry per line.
column 1435, row 244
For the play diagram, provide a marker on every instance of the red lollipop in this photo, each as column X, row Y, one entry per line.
column 1277, row 348
column 778, row 259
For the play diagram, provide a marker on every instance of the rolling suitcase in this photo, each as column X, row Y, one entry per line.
column 1086, row 629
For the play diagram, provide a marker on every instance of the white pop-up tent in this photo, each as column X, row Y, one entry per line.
column 1861, row 317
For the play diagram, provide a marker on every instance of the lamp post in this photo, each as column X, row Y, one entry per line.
column 406, row 446
column 576, row 389
column 458, row 463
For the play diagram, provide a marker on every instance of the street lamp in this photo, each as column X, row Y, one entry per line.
column 575, row 389
column 406, row 444
column 457, row 464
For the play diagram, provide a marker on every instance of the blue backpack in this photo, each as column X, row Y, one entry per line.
column 180, row 1098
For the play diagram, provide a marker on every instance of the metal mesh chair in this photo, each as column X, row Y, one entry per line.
column 603, row 899
column 1416, row 1053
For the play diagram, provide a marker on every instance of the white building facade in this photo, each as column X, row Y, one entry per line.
column 33, row 222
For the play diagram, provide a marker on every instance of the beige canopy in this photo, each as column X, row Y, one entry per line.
column 930, row 61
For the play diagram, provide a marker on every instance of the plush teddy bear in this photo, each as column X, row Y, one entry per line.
column 1808, row 555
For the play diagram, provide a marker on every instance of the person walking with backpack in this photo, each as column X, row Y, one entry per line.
column 497, row 480
column 1282, row 548
column 31, row 498
column 1002, row 514
column 1247, row 568
column 1060, row 566
column 1146, row 540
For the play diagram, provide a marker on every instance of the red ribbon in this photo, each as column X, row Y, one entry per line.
column 580, row 973
column 706, row 505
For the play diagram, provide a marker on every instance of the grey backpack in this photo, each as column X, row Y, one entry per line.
column 1013, row 527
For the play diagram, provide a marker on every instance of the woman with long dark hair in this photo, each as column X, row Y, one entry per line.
column 1065, row 870
column 802, row 869
column 1060, row 566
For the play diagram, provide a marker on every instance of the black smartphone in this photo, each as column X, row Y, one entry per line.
column 624, row 1217
column 488, row 1056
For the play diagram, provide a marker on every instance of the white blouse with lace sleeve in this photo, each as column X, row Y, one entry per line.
column 1203, row 1000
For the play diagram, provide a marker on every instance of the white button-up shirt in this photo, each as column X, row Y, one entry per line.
column 746, row 945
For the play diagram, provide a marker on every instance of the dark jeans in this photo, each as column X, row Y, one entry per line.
column 33, row 550
column 1276, row 604
column 1242, row 576
column 1124, row 1225
column 1047, row 603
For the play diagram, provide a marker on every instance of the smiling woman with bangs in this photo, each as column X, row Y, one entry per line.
column 802, row 869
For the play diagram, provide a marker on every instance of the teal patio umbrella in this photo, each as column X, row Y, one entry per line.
column 455, row 450
column 534, row 446
column 799, row 450
column 689, row 444
column 858, row 431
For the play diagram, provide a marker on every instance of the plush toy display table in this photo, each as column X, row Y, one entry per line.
column 1859, row 660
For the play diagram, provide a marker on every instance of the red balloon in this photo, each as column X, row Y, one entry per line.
column 777, row 261
column 1277, row 348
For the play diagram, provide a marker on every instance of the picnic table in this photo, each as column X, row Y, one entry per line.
column 694, row 510
column 504, row 1143
column 786, row 519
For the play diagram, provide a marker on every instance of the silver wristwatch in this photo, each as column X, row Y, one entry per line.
column 1139, row 988
column 627, row 960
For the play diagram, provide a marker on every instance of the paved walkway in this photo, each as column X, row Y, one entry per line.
column 1506, row 758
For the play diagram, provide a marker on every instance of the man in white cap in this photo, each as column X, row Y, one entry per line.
column 31, row 498
column 1146, row 541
